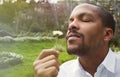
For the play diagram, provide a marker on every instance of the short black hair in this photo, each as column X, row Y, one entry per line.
column 106, row 18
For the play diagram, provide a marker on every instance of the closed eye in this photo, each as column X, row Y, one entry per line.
column 86, row 20
column 86, row 17
column 71, row 19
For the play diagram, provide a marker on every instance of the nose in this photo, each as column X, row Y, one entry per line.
column 74, row 25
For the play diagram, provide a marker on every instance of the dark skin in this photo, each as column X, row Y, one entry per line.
column 92, row 43
column 90, row 64
column 86, row 20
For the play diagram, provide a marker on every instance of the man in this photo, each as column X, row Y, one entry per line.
column 90, row 30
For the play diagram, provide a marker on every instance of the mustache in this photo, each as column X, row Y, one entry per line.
column 73, row 32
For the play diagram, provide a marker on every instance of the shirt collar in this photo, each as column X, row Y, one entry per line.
column 109, row 61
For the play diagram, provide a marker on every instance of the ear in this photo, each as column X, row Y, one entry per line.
column 108, row 34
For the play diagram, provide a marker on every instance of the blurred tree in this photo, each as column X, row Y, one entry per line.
column 9, row 11
column 42, row 16
column 39, row 17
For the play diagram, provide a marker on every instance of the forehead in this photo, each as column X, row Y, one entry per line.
column 87, row 9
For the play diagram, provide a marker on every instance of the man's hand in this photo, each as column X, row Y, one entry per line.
column 47, row 65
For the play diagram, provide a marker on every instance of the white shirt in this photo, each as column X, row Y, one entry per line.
column 110, row 67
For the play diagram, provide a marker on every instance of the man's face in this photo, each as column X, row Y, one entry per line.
column 85, row 31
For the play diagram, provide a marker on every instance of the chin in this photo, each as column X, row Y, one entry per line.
column 73, row 50
column 78, row 50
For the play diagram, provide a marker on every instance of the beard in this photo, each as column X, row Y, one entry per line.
column 81, row 49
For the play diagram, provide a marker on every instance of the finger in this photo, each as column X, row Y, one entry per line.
column 47, row 52
column 42, row 73
column 48, row 64
column 52, row 71
column 51, row 63
column 49, row 72
column 48, row 58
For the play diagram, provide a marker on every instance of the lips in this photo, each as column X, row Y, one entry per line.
column 73, row 35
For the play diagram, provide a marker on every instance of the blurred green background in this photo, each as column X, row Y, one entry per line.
column 26, row 28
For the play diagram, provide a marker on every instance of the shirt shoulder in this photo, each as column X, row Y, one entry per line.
column 118, row 61
column 69, row 64
column 67, row 68
column 117, row 55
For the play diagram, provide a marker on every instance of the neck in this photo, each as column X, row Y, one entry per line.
column 93, row 60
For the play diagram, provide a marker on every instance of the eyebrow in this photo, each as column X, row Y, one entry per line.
column 85, row 14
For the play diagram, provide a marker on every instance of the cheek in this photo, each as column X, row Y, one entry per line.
column 94, row 39
column 93, row 35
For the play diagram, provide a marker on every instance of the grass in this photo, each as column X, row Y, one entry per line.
column 30, row 50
